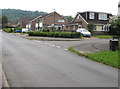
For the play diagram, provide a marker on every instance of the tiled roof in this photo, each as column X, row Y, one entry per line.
column 25, row 19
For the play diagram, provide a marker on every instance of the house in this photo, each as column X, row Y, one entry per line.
column 22, row 22
column 99, row 19
column 49, row 21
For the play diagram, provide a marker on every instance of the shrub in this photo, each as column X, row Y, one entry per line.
column 55, row 34
column 9, row 30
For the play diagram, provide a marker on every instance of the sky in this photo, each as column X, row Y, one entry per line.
column 63, row 7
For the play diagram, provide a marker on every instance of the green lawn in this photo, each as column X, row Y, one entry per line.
column 103, row 36
column 104, row 57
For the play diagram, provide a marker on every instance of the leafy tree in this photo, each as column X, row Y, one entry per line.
column 4, row 20
column 115, row 27
column 69, row 17
column 91, row 27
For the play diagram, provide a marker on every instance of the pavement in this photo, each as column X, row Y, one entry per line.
column 35, row 63
column 0, row 59
column 3, row 80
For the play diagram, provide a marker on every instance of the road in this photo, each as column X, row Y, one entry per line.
column 88, row 45
column 29, row 63
column 0, row 59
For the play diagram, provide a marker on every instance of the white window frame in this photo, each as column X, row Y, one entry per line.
column 102, row 16
column 61, row 21
column 40, row 24
column 91, row 15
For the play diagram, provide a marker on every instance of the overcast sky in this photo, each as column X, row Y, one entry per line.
column 63, row 7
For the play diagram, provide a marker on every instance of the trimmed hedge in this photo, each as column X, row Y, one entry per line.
column 11, row 30
column 56, row 34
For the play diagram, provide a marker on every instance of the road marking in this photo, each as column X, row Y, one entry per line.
column 53, row 45
column 38, row 41
column 65, row 49
column 46, row 43
column 58, row 46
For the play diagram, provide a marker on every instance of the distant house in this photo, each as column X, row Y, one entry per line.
column 52, row 21
column 22, row 22
column 99, row 19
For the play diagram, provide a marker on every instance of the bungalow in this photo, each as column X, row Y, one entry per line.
column 52, row 21
column 22, row 22
column 99, row 19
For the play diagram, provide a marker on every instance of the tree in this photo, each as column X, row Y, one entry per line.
column 69, row 18
column 4, row 20
column 115, row 27
column 91, row 27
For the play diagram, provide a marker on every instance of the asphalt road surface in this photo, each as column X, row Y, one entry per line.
column 29, row 63
column 88, row 45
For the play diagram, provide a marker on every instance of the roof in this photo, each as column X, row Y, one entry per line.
column 94, row 12
column 94, row 21
column 44, row 16
column 24, row 19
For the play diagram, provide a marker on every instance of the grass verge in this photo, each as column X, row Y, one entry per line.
column 103, row 36
column 104, row 57
column 52, row 39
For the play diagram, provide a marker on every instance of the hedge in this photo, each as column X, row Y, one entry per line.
column 10, row 30
column 55, row 34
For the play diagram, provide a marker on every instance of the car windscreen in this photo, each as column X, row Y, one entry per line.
column 84, row 30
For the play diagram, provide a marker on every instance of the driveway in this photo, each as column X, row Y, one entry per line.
column 29, row 63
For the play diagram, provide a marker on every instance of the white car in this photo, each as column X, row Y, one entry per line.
column 24, row 30
column 84, row 32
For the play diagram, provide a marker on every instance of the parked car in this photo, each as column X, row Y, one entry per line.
column 18, row 31
column 84, row 32
column 24, row 30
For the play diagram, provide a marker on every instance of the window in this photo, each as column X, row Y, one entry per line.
column 36, row 25
column 105, row 27
column 61, row 20
column 102, row 16
column 95, row 28
column 40, row 24
column 91, row 15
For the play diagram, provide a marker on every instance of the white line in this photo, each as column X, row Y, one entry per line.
column 58, row 46
column 53, row 45
column 46, row 43
column 66, row 49
column 38, row 41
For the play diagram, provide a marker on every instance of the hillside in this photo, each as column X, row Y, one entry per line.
column 15, row 14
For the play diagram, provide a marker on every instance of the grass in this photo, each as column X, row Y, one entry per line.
column 23, row 33
column 42, row 39
column 104, row 57
column 103, row 36
column 72, row 49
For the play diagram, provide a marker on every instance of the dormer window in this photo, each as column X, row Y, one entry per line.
column 91, row 15
column 102, row 16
